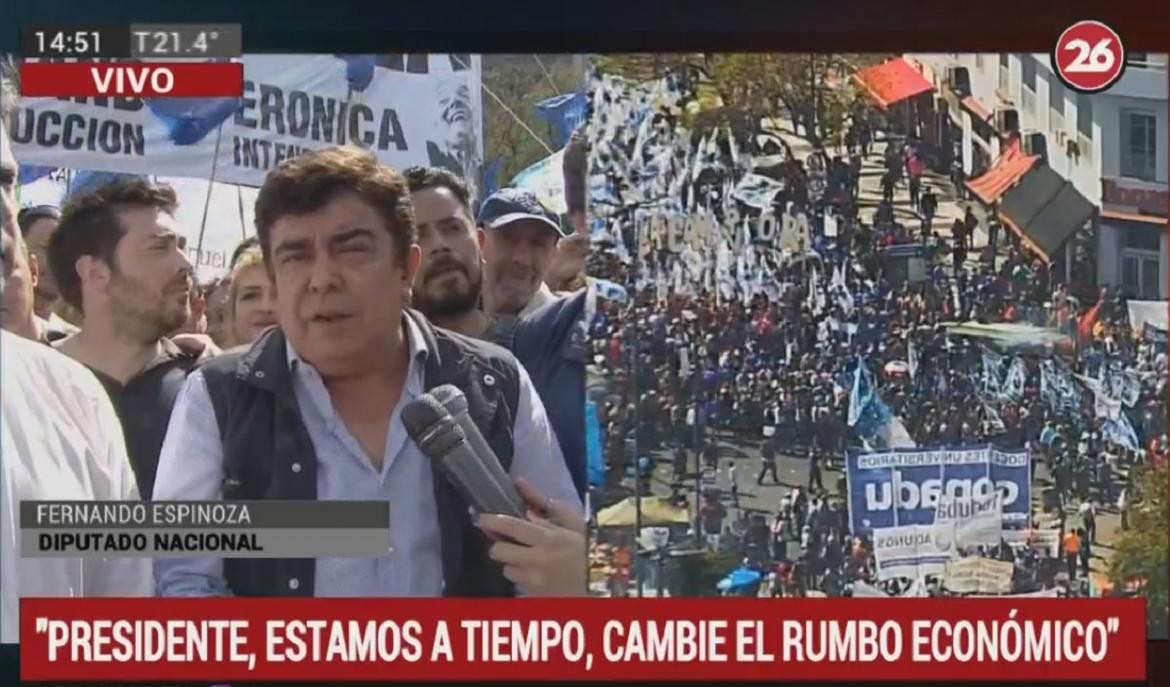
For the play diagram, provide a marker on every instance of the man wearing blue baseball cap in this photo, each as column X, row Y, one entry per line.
column 521, row 242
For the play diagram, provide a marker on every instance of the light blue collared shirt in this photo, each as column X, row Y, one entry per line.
column 191, row 467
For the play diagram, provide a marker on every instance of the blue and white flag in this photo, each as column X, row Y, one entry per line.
column 1120, row 431
column 610, row 291
column 912, row 359
column 564, row 113
column 1057, row 387
column 756, row 191
column 546, row 179
column 990, row 387
column 870, row 417
column 1013, row 383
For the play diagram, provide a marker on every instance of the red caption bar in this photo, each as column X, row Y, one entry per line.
column 132, row 79
column 216, row 640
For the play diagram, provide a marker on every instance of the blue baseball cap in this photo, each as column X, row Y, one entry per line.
column 512, row 205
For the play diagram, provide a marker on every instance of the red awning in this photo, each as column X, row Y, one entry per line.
column 976, row 108
column 892, row 81
column 1004, row 174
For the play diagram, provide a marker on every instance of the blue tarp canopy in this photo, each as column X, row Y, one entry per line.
column 739, row 579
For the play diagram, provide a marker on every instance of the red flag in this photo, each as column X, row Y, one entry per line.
column 1089, row 320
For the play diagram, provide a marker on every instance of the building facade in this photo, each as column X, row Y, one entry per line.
column 1112, row 146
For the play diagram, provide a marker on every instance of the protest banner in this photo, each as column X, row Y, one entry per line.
column 1044, row 541
column 971, row 521
column 898, row 487
column 912, row 551
column 978, row 575
column 426, row 114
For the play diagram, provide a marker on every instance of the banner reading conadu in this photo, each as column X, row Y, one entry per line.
column 903, row 487
column 426, row 112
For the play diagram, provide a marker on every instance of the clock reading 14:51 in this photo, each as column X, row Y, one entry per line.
column 82, row 42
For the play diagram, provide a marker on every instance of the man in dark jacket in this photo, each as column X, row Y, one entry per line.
column 313, row 411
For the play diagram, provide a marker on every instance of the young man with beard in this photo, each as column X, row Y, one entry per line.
column 313, row 411
column 448, row 289
column 59, row 438
column 117, row 259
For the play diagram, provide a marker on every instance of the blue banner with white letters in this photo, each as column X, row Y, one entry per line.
column 893, row 488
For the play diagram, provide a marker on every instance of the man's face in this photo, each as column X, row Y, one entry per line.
column 37, row 240
column 517, row 256
column 16, row 284
column 147, row 289
column 339, row 289
column 450, row 276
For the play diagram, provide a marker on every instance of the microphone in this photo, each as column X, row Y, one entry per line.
column 465, row 460
column 455, row 402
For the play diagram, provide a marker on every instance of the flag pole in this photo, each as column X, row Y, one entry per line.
column 207, row 200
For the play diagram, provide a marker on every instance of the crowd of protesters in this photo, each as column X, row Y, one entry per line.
column 692, row 370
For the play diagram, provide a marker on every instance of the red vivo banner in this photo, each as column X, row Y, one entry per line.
column 132, row 79
column 337, row 640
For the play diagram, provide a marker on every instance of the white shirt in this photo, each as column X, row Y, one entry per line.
column 191, row 467
column 60, row 439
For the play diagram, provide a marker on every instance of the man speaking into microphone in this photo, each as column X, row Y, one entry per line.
column 312, row 410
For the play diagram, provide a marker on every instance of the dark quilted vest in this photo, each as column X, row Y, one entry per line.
column 263, row 436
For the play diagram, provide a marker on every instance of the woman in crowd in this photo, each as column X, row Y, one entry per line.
column 251, row 298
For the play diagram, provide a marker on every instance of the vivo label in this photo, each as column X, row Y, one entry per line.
column 130, row 80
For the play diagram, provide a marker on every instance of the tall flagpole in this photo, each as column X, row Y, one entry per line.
column 207, row 200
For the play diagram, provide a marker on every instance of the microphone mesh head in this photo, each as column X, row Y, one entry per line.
column 451, row 398
column 420, row 414
column 431, row 427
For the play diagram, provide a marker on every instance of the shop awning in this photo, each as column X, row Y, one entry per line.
column 1107, row 213
column 972, row 104
column 892, row 82
column 1045, row 209
column 656, row 512
column 1011, row 166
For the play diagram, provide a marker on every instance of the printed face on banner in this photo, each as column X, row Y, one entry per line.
column 896, row 488
column 339, row 288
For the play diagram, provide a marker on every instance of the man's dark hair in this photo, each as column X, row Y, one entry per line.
column 90, row 226
column 311, row 181
column 27, row 217
column 423, row 178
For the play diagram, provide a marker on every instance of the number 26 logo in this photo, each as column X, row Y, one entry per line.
column 1089, row 56
column 1091, row 60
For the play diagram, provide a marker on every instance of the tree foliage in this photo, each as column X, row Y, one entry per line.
column 751, row 87
column 521, row 83
column 1141, row 558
